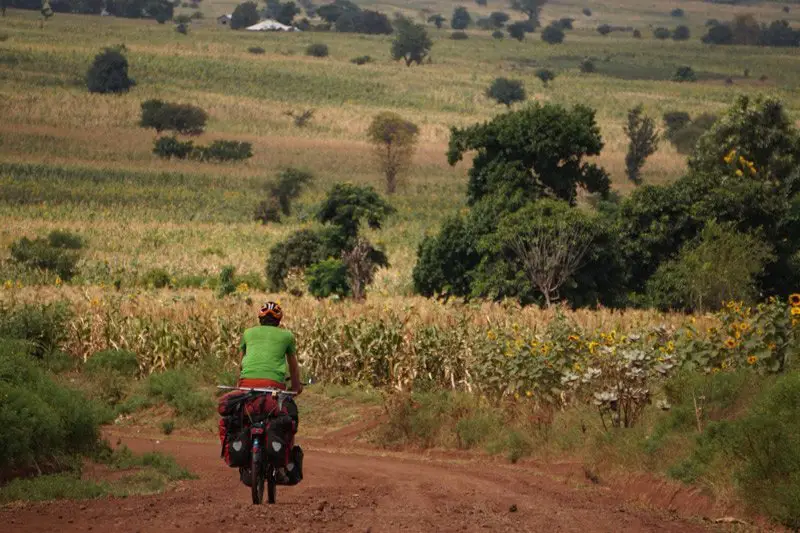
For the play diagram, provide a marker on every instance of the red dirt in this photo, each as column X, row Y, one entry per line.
column 363, row 490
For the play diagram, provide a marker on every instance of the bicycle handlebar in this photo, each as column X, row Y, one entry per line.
column 255, row 389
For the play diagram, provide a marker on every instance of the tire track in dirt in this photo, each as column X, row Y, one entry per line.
column 360, row 491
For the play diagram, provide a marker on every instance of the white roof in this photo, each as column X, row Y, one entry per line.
column 271, row 25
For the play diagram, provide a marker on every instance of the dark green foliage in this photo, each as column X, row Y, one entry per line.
column 257, row 50
column 517, row 30
column 497, row 34
column 178, row 388
column 445, row 262
column 533, row 152
column 564, row 23
column 588, row 66
column 348, row 206
column 718, row 34
column 267, row 211
column 642, row 142
column 367, row 22
column 361, row 60
column 482, row 3
column 328, row 278
column 506, row 91
column 604, row 29
column 299, row 251
column 182, row 28
column 662, row 33
column 779, row 33
column 186, row 119
column 411, row 43
column 498, row 18
column 218, row 151
column 245, row 15
column 42, row 328
column 677, row 12
column 459, row 36
column 182, row 19
column 437, row 20
column 553, row 34
column 587, row 11
column 109, row 73
column 227, row 281
column 59, row 253
column 121, row 361
column 684, row 74
column 531, row 8
column 744, row 29
column 461, row 19
column 675, row 121
column 169, row 146
column 161, row 10
column 317, row 50
column 683, row 132
column 282, row 12
column 156, row 278
column 331, row 12
column 680, row 33
column 545, row 75
column 637, row 34
column 287, row 186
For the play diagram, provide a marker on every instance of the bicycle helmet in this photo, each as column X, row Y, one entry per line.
column 271, row 311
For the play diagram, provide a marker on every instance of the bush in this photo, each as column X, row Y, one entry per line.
column 459, row 36
column 507, row 92
column 499, row 19
column 56, row 254
column 681, row 33
column 178, row 389
column 497, row 34
column 604, row 29
column 167, row 427
column 169, row 146
column 227, row 281
column 222, row 151
column 553, row 34
column 677, row 12
column 564, row 23
column 461, row 19
column 718, row 34
column 109, row 72
column 267, row 211
column 287, row 186
column 361, row 60
column 317, row 50
column 637, row 34
column 182, row 118
column 675, row 121
column 545, row 75
column 328, row 278
column 685, row 137
column 120, row 361
column 257, row 50
column 41, row 327
column 587, row 11
column 661, row 33
column 182, row 28
column 587, row 66
column 518, row 30
column 684, row 74
column 157, row 278
column 244, row 15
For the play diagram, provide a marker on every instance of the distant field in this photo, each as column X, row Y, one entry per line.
column 73, row 160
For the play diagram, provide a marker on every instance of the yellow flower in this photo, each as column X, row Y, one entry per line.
column 491, row 335
column 772, row 346
column 744, row 326
column 528, row 393
column 576, row 367
column 573, row 338
column 739, row 173
column 8, row 284
column 730, row 343
column 670, row 347
column 516, row 396
column 752, row 360
column 794, row 300
column 592, row 346
column 795, row 311
column 242, row 287
column 715, row 370
column 58, row 281
column 729, row 158
column 742, row 160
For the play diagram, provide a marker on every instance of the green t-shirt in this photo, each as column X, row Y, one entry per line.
column 265, row 349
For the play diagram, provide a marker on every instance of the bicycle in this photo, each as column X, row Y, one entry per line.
column 262, row 472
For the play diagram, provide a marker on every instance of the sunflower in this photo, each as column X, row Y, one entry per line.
column 752, row 360
column 795, row 311
column 794, row 300
column 730, row 343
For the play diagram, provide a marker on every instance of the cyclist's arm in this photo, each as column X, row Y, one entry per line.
column 294, row 368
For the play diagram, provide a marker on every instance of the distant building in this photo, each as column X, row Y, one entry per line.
column 271, row 25
column 224, row 20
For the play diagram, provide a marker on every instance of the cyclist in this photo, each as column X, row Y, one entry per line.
column 268, row 350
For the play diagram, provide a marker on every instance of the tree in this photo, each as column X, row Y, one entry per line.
column 46, row 12
column 446, row 262
column 551, row 251
column 461, row 19
column 604, row 29
column 182, row 118
column 244, row 15
column 331, row 12
column 588, row 66
column 109, row 72
column 746, row 29
column 564, row 23
column 677, row 12
column 537, row 151
column 718, row 34
column 518, row 30
column 328, row 278
column 411, row 43
column 684, row 73
column 506, row 91
column 545, row 75
column 661, row 33
column 553, row 34
column 437, row 20
column 498, row 18
column 287, row 186
column 360, row 267
column 299, row 251
column 286, row 12
column 393, row 138
column 531, row 8
column 681, row 33
column 368, row 22
column 348, row 206
column 642, row 142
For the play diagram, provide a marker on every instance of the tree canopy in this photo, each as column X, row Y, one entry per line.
column 411, row 43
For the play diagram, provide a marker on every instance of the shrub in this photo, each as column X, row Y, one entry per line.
column 182, row 28
column 685, row 138
column 518, row 30
column 54, row 254
column 120, row 361
column 675, row 121
column 328, row 278
column 497, row 34
column 286, row 187
column 302, row 118
column 41, row 327
column 485, row 24
column 553, row 34
column 244, row 15
column 157, row 278
column 637, row 34
column 438, row 20
column 507, row 92
column 545, row 75
column 718, row 34
column 169, row 146
column 677, row 12
column 461, row 19
column 178, row 389
column 267, row 211
column 681, row 33
column 604, row 29
column 227, row 281
column 317, row 50
column 587, row 66
column 361, row 60
column 683, row 74
column 498, row 19
column 459, row 36
column 564, row 23
column 222, row 151
column 182, row 118
column 109, row 72
column 661, row 33
column 167, row 427
column 587, row 11
column 256, row 50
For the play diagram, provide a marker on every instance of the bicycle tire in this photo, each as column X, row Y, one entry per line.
column 257, row 478
column 272, row 485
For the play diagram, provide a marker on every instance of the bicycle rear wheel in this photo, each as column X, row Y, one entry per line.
column 272, row 485
column 257, row 479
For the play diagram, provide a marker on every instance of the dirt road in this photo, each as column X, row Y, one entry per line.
column 361, row 491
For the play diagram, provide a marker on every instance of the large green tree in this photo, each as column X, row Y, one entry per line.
column 531, row 8
column 411, row 42
column 538, row 151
